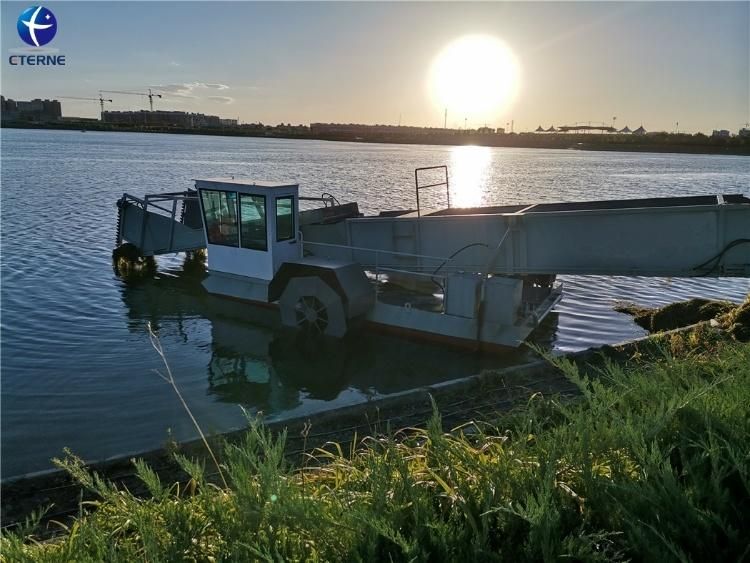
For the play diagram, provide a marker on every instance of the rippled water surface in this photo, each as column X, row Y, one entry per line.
column 77, row 366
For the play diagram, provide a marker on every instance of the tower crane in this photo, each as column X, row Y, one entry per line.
column 150, row 95
column 100, row 99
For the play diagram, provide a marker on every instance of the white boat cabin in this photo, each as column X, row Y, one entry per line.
column 251, row 227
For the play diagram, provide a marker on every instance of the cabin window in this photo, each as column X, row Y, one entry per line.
column 253, row 222
column 220, row 215
column 285, row 218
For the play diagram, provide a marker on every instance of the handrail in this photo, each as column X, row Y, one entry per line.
column 379, row 267
column 152, row 204
column 150, row 199
column 418, row 187
column 445, row 262
column 170, row 195
column 363, row 249
column 415, row 274
column 137, row 200
column 325, row 197
column 176, row 197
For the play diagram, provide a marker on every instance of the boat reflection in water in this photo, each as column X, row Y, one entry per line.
column 257, row 363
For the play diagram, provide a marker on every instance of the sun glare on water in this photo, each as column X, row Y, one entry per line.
column 469, row 175
column 475, row 77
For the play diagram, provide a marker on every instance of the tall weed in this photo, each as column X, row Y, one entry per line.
column 651, row 463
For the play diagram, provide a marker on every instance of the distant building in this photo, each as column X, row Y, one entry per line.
column 253, row 127
column 639, row 131
column 744, row 132
column 228, row 122
column 486, row 131
column 202, row 120
column 539, row 129
column 143, row 117
column 34, row 110
column 721, row 134
column 289, row 128
column 355, row 129
column 625, row 130
column 551, row 129
column 161, row 118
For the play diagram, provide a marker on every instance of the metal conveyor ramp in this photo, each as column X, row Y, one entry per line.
column 162, row 223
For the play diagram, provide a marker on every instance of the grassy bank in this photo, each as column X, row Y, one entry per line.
column 653, row 462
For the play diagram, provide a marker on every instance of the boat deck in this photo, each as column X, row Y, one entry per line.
column 655, row 202
column 395, row 294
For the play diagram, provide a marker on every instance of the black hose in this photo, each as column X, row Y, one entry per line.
column 457, row 252
column 451, row 257
column 716, row 260
column 331, row 196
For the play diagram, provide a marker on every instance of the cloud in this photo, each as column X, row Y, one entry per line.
column 175, row 90
column 174, row 63
column 221, row 99
column 188, row 89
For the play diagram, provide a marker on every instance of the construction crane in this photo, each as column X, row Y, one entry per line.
column 150, row 95
column 100, row 99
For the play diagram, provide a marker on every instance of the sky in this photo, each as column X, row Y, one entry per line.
column 651, row 63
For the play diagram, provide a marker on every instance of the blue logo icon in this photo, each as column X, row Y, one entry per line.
column 37, row 26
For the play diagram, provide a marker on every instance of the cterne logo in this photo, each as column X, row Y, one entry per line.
column 37, row 26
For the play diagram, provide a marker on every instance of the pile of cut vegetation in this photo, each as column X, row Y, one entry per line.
column 733, row 318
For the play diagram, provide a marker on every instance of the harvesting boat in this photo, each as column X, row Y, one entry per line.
column 482, row 277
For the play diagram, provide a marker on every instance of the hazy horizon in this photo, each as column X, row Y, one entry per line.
column 644, row 63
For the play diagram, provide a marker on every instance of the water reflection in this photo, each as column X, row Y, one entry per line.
column 255, row 362
column 239, row 370
column 469, row 171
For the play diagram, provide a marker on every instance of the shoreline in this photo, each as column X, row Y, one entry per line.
column 681, row 144
column 632, row 455
column 493, row 390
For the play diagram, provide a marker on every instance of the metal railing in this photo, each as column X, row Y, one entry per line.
column 418, row 187
column 150, row 202
column 151, row 199
column 379, row 266
column 377, row 263
column 328, row 199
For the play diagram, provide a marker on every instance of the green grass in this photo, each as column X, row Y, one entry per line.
column 652, row 463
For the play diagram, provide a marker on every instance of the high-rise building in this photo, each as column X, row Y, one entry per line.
column 34, row 110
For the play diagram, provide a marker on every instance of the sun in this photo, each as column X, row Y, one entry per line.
column 476, row 77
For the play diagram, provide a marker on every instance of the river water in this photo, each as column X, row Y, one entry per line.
column 77, row 365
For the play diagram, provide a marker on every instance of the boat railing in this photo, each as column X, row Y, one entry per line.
column 419, row 186
column 382, row 266
column 158, row 205
column 329, row 200
column 150, row 200
column 378, row 253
